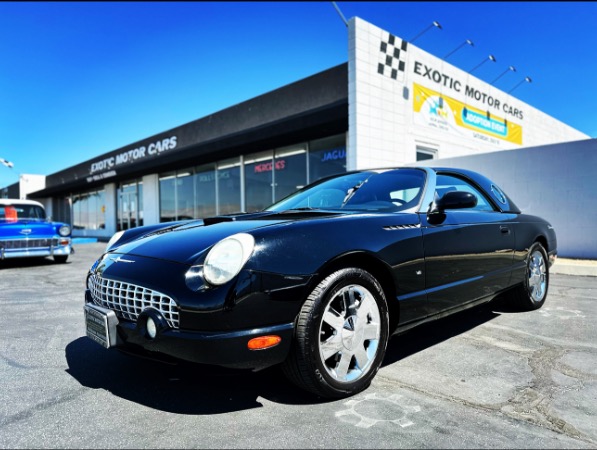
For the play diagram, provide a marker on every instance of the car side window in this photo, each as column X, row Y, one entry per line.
column 446, row 183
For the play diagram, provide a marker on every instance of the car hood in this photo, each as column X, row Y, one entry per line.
column 186, row 243
column 26, row 228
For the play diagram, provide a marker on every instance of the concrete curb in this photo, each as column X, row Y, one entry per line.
column 580, row 267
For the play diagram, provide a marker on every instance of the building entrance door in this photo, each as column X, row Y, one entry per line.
column 129, row 208
column 128, row 213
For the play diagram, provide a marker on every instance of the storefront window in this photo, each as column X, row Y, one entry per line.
column 269, row 176
column 61, row 209
column 259, row 172
column 89, row 210
column 290, row 170
column 205, row 191
column 228, row 193
column 327, row 157
column 185, row 196
column 177, row 196
column 168, row 197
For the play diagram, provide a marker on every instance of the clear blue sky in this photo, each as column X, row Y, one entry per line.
column 81, row 79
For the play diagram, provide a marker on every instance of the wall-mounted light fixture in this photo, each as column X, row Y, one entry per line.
column 467, row 42
column 509, row 69
column 489, row 58
column 340, row 14
column 527, row 79
column 433, row 24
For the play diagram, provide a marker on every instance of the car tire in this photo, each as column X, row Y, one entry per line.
column 341, row 335
column 531, row 294
column 60, row 259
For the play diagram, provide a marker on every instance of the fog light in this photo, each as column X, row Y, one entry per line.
column 152, row 330
column 263, row 342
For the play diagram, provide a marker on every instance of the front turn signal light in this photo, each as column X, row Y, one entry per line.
column 263, row 342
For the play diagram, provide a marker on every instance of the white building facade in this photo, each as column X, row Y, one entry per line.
column 407, row 105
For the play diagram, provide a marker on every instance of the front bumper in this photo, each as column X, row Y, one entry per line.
column 226, row 349
column 33, row 248
column 221, row 348
column 206, row 326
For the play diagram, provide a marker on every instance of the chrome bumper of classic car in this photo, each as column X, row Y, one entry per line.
column 151, row 336
column 23, row 248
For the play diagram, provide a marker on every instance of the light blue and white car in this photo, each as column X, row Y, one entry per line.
column 25, row 232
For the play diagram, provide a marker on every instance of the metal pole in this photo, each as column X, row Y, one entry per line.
column 340, row 14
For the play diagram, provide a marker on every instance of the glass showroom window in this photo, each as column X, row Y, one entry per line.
column 185, row 196
column 269, row 178
column 168, row 197
column 259, row 172
column 62, row 209
column 290, row 170
column 192, row 194
column 327, row 156
column 228, row 186
column 89, row 210
column 177, row 196
column 205, row 191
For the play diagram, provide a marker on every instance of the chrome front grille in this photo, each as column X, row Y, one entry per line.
column 129, row 300
column 26, row 243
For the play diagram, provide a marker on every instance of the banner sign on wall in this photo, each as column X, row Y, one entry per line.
column 453, row 116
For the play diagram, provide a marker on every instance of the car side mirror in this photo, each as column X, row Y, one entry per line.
column 454, row 200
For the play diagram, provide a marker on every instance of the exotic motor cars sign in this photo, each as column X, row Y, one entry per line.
column 105, row 167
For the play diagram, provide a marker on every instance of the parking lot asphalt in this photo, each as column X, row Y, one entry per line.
column 485, row 378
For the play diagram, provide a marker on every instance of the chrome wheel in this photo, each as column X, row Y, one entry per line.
column 349, row 333
column 537, row 276
column 341, row 335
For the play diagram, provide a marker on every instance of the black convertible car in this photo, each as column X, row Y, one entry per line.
column 319, row 281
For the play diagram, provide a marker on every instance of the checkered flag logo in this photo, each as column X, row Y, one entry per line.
column 392, row 57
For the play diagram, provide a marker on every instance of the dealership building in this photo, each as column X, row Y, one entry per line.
column 391, row 104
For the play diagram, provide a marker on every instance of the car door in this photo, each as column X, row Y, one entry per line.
column 468, row 252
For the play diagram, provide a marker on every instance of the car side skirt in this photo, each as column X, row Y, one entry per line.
column 407, row 326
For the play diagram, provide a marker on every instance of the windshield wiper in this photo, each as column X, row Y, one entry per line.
column 309, row 209
column 301, row 209
column 351, row 192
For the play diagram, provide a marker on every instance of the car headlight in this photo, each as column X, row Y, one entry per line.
column 114, row 239
column 225, row 260
column 64, row 230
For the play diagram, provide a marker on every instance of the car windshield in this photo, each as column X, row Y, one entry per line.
column 387, row 191
column 16, row 212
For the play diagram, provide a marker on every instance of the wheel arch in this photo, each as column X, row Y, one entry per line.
column 377, row 268
column 543, row 241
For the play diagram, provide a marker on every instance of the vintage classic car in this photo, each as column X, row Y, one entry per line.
column 26, row 232
column 319, row 281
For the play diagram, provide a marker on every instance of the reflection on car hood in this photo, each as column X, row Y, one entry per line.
column 184, row 244
column 26, row 228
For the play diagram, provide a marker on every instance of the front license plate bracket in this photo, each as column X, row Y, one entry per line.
column 100, row 325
